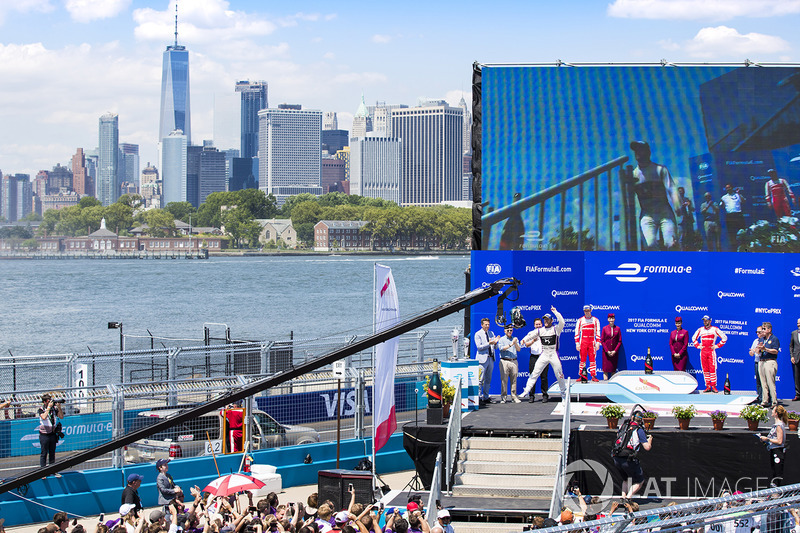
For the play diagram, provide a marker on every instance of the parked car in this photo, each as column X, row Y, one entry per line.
column 195, row 437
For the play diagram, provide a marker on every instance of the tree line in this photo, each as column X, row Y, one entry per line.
column 238, row 211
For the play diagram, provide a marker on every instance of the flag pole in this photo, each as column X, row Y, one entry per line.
column 374, row 327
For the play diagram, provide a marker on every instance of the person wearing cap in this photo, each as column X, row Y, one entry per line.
column 587, row 340
column 443, row 518
column 49, row 414
column 167, row 490
column 342, row 518
column 768, row 365
column 778, row 193
column 157, row 516
column 130, row 518
column 654, row 189
column 733, row 202
column 705, row 338
column 679, row 345
column 508, row 346
column 536, row 351
column 485, row 342
column 566, row 518
column 611, row 342
column 130, row 494
column 548, row 334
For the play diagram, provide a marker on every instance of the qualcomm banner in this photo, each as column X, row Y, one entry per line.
column 646, row 291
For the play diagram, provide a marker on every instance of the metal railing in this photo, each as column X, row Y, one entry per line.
column 185, row 361
column 453, row 438
column 559, row 489
column 767, row 510
column 435, row 493
column 623, row 209
column 96, row 414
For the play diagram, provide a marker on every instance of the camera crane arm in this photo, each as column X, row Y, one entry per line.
column 453, row 306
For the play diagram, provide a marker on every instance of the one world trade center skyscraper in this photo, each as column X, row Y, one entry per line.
column 175, row 112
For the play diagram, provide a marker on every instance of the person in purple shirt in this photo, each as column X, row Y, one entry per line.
column 678, row 345
column 611, row 341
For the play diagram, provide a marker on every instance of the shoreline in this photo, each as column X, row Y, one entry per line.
column 235, row 253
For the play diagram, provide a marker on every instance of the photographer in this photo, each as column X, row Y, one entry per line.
column 50, row 414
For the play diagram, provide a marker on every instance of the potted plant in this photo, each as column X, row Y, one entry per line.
column 448, row 394
column 794, row 418
column 649, row 419
column 612, row 413
column 718, row 419
column 684, row 415
column 753, row 414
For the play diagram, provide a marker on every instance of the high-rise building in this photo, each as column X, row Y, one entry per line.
column 333, row 171
column 466, row 143
column 330, row 121
column 150, row 186
column 381, row 115
column 212, row 171
column 80, row 173
column 334, row 140
column 242, row 174
column 41, row 183
column 466, row 174
column 431, row 148
column 289, row 152
column 193, row 160
column 344, row 155
column 362, row 122
column 174, row 168
column 17, row 197
column 375, row 168
column 254, row 99
column 108, row 160
column 230, row 155
column 175, row 109
column 59, row 179
column 129, row 163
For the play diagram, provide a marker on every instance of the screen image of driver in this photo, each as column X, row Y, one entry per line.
column 587, row 340
column 705, row 338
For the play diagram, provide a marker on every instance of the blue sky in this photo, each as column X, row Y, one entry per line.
column 63, row 63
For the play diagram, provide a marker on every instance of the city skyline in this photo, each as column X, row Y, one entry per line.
column 67, row 63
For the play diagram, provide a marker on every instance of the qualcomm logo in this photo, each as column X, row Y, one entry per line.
column 722, row 295
column 629, row 271
column 569, row 358
column 795, row 287
column 637, row 358
column 681, row 308
column 795, row 271
column 493, row 268
column 727, row 360
column 556, row 294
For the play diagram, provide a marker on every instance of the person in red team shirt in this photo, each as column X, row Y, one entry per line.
column 678, row 345
column 587, row 340
column 611, row 342
column 777, row 193
column 705, row 338
column 234, row 421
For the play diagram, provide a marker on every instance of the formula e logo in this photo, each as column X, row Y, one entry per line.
column 703, row 166
column 795, row 271
column 627, row 272
column 493, row 268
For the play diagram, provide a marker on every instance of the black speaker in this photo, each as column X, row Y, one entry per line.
column 333, row 484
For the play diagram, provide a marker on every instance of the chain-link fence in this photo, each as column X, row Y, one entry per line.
column 301, row 411
column 171, row 359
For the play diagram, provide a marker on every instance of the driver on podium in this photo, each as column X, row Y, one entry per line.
column 549, row 337
column 587, row 340
column 705, row 338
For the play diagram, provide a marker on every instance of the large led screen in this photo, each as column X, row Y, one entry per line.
column 640, row 158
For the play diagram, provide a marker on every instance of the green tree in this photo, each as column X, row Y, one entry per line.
column 570, row 237
column 88, row 201
column 181, row 210
column 68, row 221
column 134, row 201
column 33, row 216
column 305, row 233
column 240, row 224
column 306, row 212
column 49, row 221
column 119, row 215
column 257, row 202
column 160, row 223
column 292, row 201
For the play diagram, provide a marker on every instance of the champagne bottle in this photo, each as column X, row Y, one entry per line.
column 435, row 388
column 648, row 363
column 727, row 387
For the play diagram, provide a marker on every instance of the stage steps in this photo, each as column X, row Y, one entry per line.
column 507, row 467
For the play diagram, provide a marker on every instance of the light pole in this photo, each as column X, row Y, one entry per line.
column 118, row 325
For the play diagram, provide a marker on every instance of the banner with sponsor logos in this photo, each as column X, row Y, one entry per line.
column 647, row 291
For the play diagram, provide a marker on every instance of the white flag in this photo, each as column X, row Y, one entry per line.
column 387, row 315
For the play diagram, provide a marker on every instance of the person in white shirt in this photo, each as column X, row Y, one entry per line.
column 536, row 351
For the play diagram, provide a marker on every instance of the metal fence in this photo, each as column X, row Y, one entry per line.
column 301, row 411
column 766, row 511
column 176, row 359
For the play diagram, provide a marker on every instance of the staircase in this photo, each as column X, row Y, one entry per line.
column 518, row 473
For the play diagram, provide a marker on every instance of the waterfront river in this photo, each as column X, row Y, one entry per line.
column 63, row 306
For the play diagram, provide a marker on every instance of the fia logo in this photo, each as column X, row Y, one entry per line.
column 493, row 269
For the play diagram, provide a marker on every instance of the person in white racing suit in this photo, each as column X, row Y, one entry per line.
column 548, row 334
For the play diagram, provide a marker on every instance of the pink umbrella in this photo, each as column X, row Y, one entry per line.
column 232, row 483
